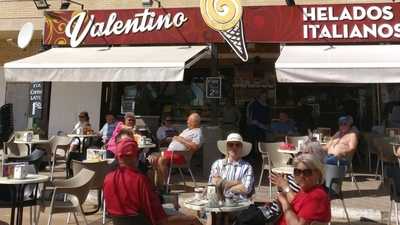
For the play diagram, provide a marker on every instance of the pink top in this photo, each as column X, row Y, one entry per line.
column 112, row 145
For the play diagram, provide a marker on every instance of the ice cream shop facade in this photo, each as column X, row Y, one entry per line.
column 169, row 61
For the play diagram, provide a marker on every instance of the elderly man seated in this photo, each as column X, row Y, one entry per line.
column 343, row 144
column 128, row 192
column 233, row 174
column 189, row 140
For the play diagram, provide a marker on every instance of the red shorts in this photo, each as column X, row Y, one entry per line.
column 177, row 159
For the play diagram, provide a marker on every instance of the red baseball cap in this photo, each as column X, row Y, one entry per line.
column 127, row 147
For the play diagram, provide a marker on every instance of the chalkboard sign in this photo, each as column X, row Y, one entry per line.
column 35, row 98
column 213, row 87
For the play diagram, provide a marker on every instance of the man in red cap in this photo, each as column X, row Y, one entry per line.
column 128, row 192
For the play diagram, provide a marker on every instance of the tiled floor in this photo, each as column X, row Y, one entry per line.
column 372, row 195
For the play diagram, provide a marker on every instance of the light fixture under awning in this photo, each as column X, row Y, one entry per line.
column 98, row 64
column 339, row 64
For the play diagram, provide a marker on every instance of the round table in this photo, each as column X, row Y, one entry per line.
column 30, row 143
column 283, row 170
column 200, row 205
column 289, row 151
column 144, row 146
column 18, row 191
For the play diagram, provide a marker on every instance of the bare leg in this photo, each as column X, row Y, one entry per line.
column 163, row 169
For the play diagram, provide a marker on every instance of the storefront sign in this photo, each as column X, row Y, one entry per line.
column 35, row 97
column 213, row 87
column 259, row 24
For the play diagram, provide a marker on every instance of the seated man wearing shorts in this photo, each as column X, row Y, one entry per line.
column 189, row 140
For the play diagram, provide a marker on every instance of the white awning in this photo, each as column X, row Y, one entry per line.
column 88, row 64
column 339, row 64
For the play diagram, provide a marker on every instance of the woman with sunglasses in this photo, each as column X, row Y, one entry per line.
column 271, row 211
column 312, row 203
column 129, row 124
column 83, row 122
column 233, row 173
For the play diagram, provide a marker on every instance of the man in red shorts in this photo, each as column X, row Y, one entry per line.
column 128, row 192
column 189, row 140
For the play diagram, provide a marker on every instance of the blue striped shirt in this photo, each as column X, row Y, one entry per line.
column 234, row 171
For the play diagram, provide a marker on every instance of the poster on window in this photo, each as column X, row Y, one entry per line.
column 213, row 87
column 35, row 98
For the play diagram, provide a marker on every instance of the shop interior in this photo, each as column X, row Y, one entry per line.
column 317, row 104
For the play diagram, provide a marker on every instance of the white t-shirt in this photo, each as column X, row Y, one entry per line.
column 193, row 135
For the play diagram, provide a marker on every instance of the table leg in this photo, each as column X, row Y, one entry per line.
column 20, row 202
column 217, row 218
column 13, row 204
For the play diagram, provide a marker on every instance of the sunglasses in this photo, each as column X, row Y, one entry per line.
column 82, row 116
column 306, row 172
column 230, row 144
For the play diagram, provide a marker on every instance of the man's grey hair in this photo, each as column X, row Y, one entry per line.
column 129, row 115
column 196, row 117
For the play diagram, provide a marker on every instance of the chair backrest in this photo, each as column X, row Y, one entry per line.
column 325, row 131
column 295, row 139
column 79, row 185
column 131, row 220
column 100, row 168
column 59, row 141
column 385, row 149
column 334, row 176
column 276, row 158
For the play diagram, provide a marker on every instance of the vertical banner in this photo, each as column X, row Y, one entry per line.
column 35, row 99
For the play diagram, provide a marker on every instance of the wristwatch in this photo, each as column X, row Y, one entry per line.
column 286, row 190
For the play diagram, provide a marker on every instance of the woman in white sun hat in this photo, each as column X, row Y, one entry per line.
column 235, row 174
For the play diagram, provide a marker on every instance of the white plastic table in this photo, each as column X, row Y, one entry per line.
column 18, row 193
column 200, row 205
column 283, row 170
column 32, row 142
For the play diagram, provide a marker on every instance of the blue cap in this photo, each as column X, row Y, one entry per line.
column 346, row 120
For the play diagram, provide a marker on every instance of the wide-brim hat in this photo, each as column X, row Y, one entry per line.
column 234, row 137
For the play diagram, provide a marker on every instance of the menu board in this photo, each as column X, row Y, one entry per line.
column 213, row 87
column 35, row 99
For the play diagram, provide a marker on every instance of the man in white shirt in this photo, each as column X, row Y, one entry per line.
column 189, row 140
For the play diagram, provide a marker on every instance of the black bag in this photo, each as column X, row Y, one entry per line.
column 254, row 216
column 251, row 216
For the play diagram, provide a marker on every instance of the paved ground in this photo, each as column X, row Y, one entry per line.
column 369, row 206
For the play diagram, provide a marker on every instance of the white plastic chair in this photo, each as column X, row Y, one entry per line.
column 56, row 143
column 275, row 158
column 188, row 157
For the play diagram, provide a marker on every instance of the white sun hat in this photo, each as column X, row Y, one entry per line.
column 234, row 137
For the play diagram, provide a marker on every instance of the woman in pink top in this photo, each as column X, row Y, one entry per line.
column 129, row 123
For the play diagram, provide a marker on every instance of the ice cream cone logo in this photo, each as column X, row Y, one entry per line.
column 225, row 16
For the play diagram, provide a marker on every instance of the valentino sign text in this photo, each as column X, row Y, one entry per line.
column 78, row 28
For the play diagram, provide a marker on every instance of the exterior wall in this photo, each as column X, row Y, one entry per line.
column 2, row 87
column 68, row 99
column 16, row 93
